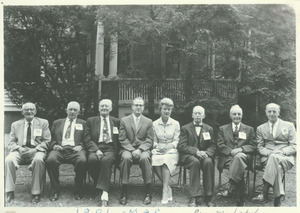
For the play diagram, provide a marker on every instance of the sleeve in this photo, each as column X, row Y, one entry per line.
column 261, row 143
column 155, row 139
column 251, row 145
column 89, row 144
column 183, row 143
column 223, row 148
column 148, row 143
column 13, row 143
column 210, row 151
column 124, row 141
column 53, row 138
column 292, row 148
column 176, row 135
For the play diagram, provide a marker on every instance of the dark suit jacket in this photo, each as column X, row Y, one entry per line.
column 92, row 133
column 58, row 129
column 131, row 138
column 188, row 142
column 225, row 142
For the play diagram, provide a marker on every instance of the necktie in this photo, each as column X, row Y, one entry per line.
column 68, row 132
column 136, row 122
column 28, row 138
column 236, row 133
column 198, row 125
column 236, row 128
column 272, row 130
column 105, row 131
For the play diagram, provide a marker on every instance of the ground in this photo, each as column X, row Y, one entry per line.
column 136, row 193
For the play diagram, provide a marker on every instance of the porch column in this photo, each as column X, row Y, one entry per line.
column 99, row 58
column 113, row 62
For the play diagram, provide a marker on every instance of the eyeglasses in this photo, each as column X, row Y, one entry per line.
column 138, row 105
column 29, row 109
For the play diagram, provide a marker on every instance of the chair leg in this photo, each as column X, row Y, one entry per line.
column 179, row 177
column 254, row 180
column 248, row 182
column 184, row 176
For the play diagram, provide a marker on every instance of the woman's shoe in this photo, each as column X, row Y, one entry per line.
column 165, row 199
column 170, row 198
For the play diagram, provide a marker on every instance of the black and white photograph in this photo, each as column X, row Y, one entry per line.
column 146, row 107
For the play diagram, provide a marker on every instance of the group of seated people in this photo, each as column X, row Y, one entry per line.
column 95, row 145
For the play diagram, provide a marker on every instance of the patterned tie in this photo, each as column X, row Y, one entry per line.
column 105, row 132
column 68, row 132
column 28, row 138
column 236, row 133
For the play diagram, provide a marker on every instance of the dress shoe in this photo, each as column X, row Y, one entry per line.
column 240, row 203
column 78, row 196
column 104, row 203
column 123, row 199
column 54, row 197
column 192, row 202
column 210, row 204
column 10, row 196
column 277, row 201
column 35, row 199
column 147, row 200
column 260, row 199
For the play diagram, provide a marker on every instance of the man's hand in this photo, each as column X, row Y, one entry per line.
column 136, row 153
column 99, row 154
column 21, row 149
column 278, row 152
column 201, row 154
column 235, row 151
column 57, row 147
column 77, row 148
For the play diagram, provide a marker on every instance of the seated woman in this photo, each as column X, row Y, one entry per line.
column 164, row 153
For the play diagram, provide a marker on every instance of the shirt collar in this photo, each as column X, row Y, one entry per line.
column 69, row 120
column 233, row 126
column 199, row 123
column 26, row 122
column 162, row 123
column 136, row 117
column 275, row 124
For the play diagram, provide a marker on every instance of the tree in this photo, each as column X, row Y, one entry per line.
column 52, row 41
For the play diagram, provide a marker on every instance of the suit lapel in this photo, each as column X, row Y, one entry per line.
column 61, row 129
column 266, row 128
column 140, row 123
column 111, row 127
column 20, row 130
column 97, row 126
column 194, row 133
column 229, row 132
column 278, row 130
column 131, row 121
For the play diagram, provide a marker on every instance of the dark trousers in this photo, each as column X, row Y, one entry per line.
column 195, row 165
column 77, row 159
column 100, row 170
column 144, row 162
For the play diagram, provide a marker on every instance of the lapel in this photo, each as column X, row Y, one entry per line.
column 266, row 128
column 194, row 133
column 229, row 132
column 61, row 128
column 75, row 131
column 131, row 121
column 139, row 124
column 97, row 126
column 20, row 130
column 36, row 125
column 111, row 126
column 278, row 130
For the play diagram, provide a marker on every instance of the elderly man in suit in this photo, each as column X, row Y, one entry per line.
column 66, row 146
column 28, row 145
column 276, row 143
column 102, row 144
column 196, row 150
column 236, row 142
column 136, row 139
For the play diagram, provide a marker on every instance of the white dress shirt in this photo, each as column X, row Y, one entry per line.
column 135, row 118
column 70, row 141
column 234, row 125
column 198, row 128
column 274, row 128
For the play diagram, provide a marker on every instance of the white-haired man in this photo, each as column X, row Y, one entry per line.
column 101, row 139
column 196, row 150
column 66, row 146
column 28, row 144
column 276, row 143
column 236, row 142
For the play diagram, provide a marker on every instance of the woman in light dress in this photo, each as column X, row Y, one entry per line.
column 164, row 153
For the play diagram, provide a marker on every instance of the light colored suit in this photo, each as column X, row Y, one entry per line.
column 34, row 156
column 284, row 140
column 132, row 138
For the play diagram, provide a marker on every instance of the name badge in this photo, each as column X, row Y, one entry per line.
column 206, row 136
column 115, row 130
column 79, row 127
column 284, row 131
column 242, row 135
column 37, row 132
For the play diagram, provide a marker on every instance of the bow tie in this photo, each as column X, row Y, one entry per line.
column 198, row 125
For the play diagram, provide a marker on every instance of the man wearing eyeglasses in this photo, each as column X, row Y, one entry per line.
column 28, row 145
column 136, row 139
column 66, row 146
column 236, row 142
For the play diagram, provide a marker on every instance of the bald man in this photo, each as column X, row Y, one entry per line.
column 66, row 146
column 236, row 142
column 28, row 144
column 276, row 143
column 101, row 139
column 196, row 149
